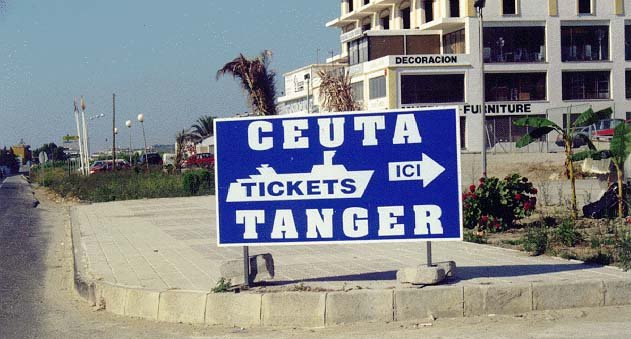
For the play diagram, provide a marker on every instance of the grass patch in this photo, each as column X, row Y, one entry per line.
column 125, row 185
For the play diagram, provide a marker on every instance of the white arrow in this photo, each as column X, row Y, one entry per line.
column 426, row 170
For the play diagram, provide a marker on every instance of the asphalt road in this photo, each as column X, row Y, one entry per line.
column 37, row 300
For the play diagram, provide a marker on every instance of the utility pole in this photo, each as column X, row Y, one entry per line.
column 113, row 132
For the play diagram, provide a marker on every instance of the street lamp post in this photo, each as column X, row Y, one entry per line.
column 141, row 119
column 479, row 5
column 114, row 150
column 128, row 124
column 86, row 148
column 80, row 141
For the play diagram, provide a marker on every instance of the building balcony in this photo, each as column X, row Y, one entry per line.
column 361, row 12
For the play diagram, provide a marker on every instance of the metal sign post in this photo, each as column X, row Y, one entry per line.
column 246, row 267
column 428, row 252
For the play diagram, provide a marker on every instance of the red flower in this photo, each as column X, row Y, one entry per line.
column 484, row 219
column 527, row 206
column 474, row 196
column 482, row 180
column 517, row 196
column 534, row 191
column 472, row 188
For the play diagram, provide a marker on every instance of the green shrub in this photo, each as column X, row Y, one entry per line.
column 566, row 233
column 535, row 240
column 196, row 180
column 474, row 237
column 623, row 249
column 495, row 204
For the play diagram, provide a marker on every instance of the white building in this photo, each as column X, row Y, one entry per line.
column 541, row 57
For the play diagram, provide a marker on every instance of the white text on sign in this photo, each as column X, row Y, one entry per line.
column 331, row 132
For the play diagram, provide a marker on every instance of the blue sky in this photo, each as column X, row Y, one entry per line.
column 159, row 57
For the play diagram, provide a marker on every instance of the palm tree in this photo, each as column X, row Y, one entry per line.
column 203, row 128
column 335, row 88
column 181, row 138
column 257, row 80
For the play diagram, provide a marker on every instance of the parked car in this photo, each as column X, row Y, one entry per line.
column 106, row 165
column 153, row 159
column 204, row 160
column 597, row 130
column 579, row 136
column 607, row 133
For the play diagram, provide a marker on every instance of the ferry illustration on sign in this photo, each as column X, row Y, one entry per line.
column 325, row 181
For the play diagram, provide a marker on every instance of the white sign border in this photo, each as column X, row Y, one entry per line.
column 343, row 242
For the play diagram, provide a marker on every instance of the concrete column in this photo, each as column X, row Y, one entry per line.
column 344, row 8
column 445, row 11
column 555, row 76
column 421, row 12
column 469, row 10
column 617, row 85
column 473, row 86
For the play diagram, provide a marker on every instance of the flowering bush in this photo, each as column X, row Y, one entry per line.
column 495, row 204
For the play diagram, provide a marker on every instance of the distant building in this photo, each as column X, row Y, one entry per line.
column 22, row 151
column 549, row 58
column 162, row 148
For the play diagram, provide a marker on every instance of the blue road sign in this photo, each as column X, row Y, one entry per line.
column 342, row 177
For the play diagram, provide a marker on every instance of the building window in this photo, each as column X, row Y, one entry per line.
column 430, row 89
column 428, row 6
column 584, row 43
column 357, row 91
column 627, row 84
column 454, row 8
column 406, row 17
column 627, row 42
column 366, row 2
column 366, row 27
column 586, row 85
column 584, row 6
column 515, row 86
column 509, row 7
column 454, row 42
column 385, row 21
column 514, row 44
column 358, row 51
column 377, row 87
column 350, row 5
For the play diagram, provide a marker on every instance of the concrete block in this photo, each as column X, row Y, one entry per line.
column 359, row 306
column 230, row 309
column 142, row 304
column 421, row 275
column 499, row 299
column 414, row 304
column 293, row 309
column 449, row 267
column 182, row 306
column 113, row 297
column 617, row 292
column 564, row 294
column 261, row 269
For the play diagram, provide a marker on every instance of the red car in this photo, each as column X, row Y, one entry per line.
column 204, row 160
column 607, row 128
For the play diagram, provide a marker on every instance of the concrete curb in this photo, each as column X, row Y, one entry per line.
column 318, row 309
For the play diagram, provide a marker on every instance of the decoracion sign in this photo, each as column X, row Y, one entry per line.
column 343, row 177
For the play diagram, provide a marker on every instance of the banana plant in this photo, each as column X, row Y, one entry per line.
column 543, row 126
column 619, row 150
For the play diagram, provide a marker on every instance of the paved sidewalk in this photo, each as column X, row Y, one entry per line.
column 171, row 244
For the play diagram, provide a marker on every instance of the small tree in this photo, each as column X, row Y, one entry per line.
column 619, row 150
column 543, row 126
column 257, row 80
column 336, row 93
column 202, row 128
